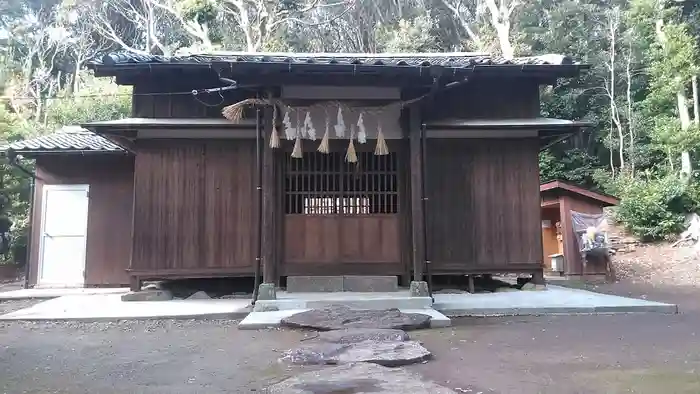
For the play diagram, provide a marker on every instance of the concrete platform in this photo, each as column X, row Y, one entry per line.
column 369, row 300
column 554, row 300
column 48, row 293
column 260, row 320
column 111, row 307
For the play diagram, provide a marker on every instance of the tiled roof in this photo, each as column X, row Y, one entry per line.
column 66, row 140
column 449, row 60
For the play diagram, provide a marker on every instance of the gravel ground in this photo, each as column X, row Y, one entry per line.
column 643, row 353
column 11, row 306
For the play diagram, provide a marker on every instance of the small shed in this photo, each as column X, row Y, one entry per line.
column 558, row 201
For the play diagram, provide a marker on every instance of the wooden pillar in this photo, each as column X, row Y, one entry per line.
column 569, row 243
column 416, row 168
column 269, row 213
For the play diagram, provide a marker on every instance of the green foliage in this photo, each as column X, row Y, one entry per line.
column 409, row 35
column 100, row 100
column 201, row 11
column 653, row 207
column 575, row 166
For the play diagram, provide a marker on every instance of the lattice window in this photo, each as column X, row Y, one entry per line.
column 325, row 184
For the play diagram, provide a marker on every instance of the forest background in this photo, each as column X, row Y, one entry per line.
column 641, row 92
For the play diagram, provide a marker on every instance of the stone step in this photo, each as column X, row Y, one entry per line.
column 374, row 301
column 329, row 284
column 260, row 320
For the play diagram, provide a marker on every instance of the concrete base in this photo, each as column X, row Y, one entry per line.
column 555, row 301
column 48, row 293
column 330, row 284
column 267, row 291
column 111, row 307
column 261, row 320
column 372, row 300
column 419, row 289
column 370, row 284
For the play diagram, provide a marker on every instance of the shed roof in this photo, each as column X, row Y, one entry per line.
column 456, row 62
column 604, row 199
column 72, row 139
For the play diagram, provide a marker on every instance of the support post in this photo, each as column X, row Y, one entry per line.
column 418, row 286
column 266, row 290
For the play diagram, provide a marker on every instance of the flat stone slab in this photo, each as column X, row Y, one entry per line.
column 355, row 335
column 555, row 300
column 111, row 307
column 357, row 378
column 48, row 293
column 388, row 354
column 339, row 317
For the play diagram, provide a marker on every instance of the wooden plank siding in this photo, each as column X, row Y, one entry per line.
column 194, row 208
column 111, row 180
column 347, row 244
column 487, row 99
column 483, row 212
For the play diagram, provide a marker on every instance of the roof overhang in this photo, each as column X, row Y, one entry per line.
column 124, row 132
column 604, row 199
column 326, row 67
column 133, row 124
column 70, row 140
column 548, row 130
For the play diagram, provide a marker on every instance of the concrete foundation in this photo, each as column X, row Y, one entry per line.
column 555, row 300
column 357, row 300
column 267, row 291
column 419, row 289
column 331, row 284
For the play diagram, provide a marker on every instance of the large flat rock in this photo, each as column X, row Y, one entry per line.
column 336, row 317
column 354, row 335
column 357, row 378
column 388, row 354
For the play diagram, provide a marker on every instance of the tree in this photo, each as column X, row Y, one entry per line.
column 476, row 17
column 258, row 20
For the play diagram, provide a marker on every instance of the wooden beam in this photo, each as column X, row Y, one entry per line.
column 269, row 192
column 122, row 141
column 416, row 168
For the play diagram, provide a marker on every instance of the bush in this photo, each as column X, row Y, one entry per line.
column 653, row 208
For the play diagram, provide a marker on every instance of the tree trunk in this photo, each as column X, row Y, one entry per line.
column 630, row 115
column 684, row 115
column 696, row 104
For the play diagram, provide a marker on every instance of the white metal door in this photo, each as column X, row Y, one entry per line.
column 63, row 235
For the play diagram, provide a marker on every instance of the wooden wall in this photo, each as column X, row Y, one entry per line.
column 483, row 213
column 109, row 213
column 488, row 98
column 194, row 208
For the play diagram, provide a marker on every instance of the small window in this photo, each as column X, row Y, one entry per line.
column 325, row 184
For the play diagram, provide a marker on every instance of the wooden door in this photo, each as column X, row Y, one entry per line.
column 340, row 217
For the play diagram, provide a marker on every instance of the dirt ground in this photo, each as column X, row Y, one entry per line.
column 647, row 353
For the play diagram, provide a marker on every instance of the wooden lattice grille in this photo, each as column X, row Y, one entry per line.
column 325, row 184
